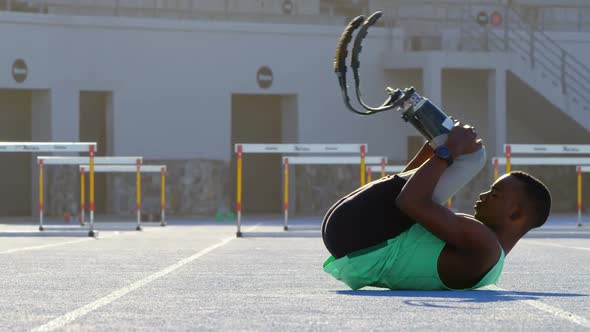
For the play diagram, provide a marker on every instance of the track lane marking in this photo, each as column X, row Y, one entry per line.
column 69, row 317
column 555, row 311
column 44, row 246
column 554, row 245
column 10, row 251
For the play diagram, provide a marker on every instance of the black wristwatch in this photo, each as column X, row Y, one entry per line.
column 443, row 152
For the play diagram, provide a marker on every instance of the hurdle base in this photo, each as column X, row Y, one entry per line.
column 93, row 233
column 163, row 224
column 238, row 234
column 41, row 228
column 285, row 228
column 138, row 228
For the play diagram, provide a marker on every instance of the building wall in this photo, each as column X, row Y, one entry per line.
column 170, row 82
column 173, row 80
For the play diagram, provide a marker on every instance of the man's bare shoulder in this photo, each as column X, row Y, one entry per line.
column 463, row 267
column 479, row 238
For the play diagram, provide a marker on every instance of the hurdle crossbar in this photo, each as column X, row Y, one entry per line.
column 161, row 169
column 300, row 148
column 387, row 169
column 543, row 161
column 52, row 160
column 547, row 148
column 73, row 160
column 510, row 149
column 336, row 160
column 125, row 168
column 318, row 160
column 47, row 146
column 240, row 149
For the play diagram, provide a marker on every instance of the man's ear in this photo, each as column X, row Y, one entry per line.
column 517, row 212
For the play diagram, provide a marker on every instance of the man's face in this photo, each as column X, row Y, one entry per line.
column 497, row 204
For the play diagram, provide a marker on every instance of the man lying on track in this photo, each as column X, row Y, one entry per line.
column 396, row 233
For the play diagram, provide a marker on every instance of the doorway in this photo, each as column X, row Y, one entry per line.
column 15, row 168
column 261, row 119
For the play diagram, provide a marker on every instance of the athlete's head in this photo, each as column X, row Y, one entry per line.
column 517, row 197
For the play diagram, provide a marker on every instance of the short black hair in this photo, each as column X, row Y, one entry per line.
column 538, row 195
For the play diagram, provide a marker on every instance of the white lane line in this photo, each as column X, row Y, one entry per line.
column 554, row 245
column 69, row 317
column 10, row 251
column 551, row 310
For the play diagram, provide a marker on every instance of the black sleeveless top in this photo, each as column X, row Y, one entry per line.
column 366, row 217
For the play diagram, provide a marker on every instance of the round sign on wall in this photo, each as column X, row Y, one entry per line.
column 496, row 19
column 287, row 6
column 264, row 77
column 482, row 18
column 19, row 70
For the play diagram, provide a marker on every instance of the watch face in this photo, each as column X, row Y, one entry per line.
column 443, row 152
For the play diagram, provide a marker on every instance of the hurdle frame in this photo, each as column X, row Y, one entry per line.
column 385, row 169
column 91, row 160
column 510, row 149
column 37, row 147
column 581, row 165
column 319, row 160
column 241, row 148
column 138, row 169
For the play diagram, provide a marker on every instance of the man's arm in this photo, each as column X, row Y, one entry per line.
column 416, row 200
column 420, row 158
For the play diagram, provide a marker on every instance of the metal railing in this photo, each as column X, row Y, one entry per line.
column 509, row 33
column 542, row 53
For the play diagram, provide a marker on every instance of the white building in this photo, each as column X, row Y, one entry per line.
column 180, row 82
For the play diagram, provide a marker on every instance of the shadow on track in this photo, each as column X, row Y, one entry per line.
column 450, row 299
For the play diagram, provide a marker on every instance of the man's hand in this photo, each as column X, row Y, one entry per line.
column 415, row 199
column 463, row 140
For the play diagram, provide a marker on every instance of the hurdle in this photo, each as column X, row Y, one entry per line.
column 539, row 161
column 384, row 169
column 554, row 161
column 240, row 149
column 35, row 147
column 510, row 149
column 319, row 160
column 369, row 171
column 138, row 169
column 42, row 161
